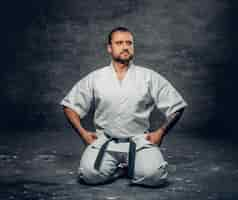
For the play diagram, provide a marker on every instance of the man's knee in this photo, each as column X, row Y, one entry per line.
column 152, row 176
column 90, row 175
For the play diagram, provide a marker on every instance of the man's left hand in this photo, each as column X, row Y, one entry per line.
column 155, row 137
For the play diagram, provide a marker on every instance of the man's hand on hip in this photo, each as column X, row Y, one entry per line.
column 155, row 137
column 89, row 137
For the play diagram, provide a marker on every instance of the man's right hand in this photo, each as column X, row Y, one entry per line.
column 89, row 137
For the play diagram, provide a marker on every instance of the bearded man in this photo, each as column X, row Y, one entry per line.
column 124, row 95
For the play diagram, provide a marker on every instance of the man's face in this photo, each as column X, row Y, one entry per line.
column 121, row 47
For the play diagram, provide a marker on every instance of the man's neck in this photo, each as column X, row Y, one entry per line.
column 120, row 67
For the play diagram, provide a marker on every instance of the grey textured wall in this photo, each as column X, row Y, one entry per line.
column 52, row 44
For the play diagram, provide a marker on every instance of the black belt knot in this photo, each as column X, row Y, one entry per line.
column 131, row 156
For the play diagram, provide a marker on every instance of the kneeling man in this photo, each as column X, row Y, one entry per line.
column 124, row 95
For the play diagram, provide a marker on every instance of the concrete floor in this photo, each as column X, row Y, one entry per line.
column 43, row 165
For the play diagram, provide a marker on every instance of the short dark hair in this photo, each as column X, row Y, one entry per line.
column 120, row 29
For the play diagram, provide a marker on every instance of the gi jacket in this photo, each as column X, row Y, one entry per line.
column 123, row 108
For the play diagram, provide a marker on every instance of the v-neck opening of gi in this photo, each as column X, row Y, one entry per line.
column 122, row 81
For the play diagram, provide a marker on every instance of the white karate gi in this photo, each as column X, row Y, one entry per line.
column 122, row 110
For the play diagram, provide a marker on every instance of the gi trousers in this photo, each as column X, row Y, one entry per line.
column 150, row 167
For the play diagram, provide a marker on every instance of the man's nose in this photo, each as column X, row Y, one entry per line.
column 125, row 46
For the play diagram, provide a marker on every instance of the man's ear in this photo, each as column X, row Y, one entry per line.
column 109, row 48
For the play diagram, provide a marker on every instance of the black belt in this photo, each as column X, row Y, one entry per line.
column 131, row 157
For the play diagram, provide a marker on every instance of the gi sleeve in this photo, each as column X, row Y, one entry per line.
column 80, row 96
column 166, row 97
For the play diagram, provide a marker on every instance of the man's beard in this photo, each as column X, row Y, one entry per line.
column 123, row 60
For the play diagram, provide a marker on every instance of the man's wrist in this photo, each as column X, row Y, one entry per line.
column 82, row 131
column 161, row 131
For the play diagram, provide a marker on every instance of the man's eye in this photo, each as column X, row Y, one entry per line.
column 119, row 43
column 129, row 43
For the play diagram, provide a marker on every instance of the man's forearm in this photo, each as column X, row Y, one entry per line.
column 74, row 120
column 171, row 121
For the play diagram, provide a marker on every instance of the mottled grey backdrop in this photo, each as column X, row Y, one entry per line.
column 49, row 45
